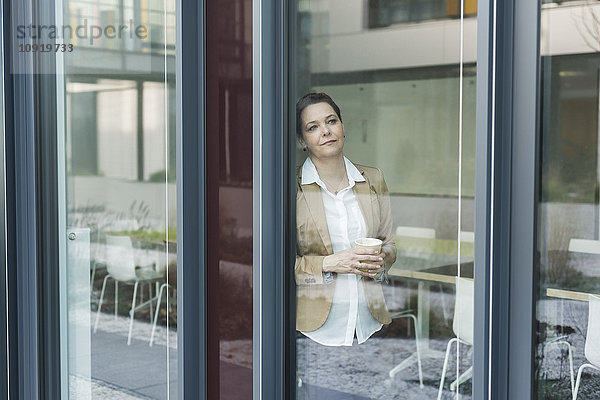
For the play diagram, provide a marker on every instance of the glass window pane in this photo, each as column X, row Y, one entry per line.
column 567, row 313
column 229, row 198
column 385, row 160
column 118, row 200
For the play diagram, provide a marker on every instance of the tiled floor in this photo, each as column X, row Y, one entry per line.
column 358, row 372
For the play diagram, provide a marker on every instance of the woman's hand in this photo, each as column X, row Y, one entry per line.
column 353, row 261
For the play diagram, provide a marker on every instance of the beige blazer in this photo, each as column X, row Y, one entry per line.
column 313, row 243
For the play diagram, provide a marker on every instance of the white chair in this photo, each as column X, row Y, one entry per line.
column 467, row 236
column 426, row 233
column 584, row 246
column 404, row 364
column 121, row 267
column 164, row 286
column 98, row 253
column 462, row 327
column 413, row 231
column 592, row 340
column 558, row 342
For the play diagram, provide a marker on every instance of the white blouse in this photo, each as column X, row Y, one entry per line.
column 349, row 309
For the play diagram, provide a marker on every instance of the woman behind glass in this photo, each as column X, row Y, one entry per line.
column 339, row 295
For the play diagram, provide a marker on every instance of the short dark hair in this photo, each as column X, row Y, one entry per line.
column 308, row 100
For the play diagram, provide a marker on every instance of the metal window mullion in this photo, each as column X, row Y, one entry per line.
column 270, row 202
column 483, row 198
column 24, row 271
column 21, row 209
column 290, row 77
column 191, row 204
column 524, row 185
column 47, row 176
column 508, row 53
column 500, row 196
column 5, row 387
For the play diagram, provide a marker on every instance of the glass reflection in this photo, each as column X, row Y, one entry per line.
column 119, row 276
column 381, row 162
column 228, row 194
column 348, row 214
column 567, row 315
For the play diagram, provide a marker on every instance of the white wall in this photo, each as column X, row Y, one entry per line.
column 439, row 213
column 117, row 195
column 570, row 28
column 564, row 221
column 340, row 41
column 117, row 133
column 410, row 129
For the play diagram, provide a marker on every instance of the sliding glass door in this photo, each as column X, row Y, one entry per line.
column 115, row 96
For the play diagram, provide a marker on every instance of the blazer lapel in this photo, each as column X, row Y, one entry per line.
column 362, row 191
column 314, row 201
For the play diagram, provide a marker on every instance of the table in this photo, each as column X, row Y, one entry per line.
column 431, row 267
column 442, row 268
column 568, row 294
column 430, row 260
column 427, row 267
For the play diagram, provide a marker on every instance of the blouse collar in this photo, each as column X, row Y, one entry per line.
column 310, row 174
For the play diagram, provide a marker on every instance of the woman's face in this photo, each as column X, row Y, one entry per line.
column 322, row 131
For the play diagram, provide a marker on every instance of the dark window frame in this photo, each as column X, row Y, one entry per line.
column 27, row 254
column 191, row 199
column 7, row 222
column 513, row 118
column 31, row 367
column 273, row 210
column 507, row 111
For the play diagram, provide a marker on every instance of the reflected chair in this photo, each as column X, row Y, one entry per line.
column 413, row 231
column 404, row 364
column 164, row 286
column 98, row 253
column 427, row 233
column 584, row 246
column 467, row 236
column 462, row 327
column 592, row 340
column 558, row 342
column 121, row 267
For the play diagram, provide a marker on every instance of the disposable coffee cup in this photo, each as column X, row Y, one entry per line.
column 368, row 243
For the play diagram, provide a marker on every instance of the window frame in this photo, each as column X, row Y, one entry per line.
column 30, row 359
column 5, row 359
column 23, row 253
column 506, row 176
column 506, row 182
column 523, row 124
column 508, row 137
column 273, row 211
column 191, row 200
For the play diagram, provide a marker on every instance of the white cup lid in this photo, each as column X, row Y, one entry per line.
column 368, row 242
